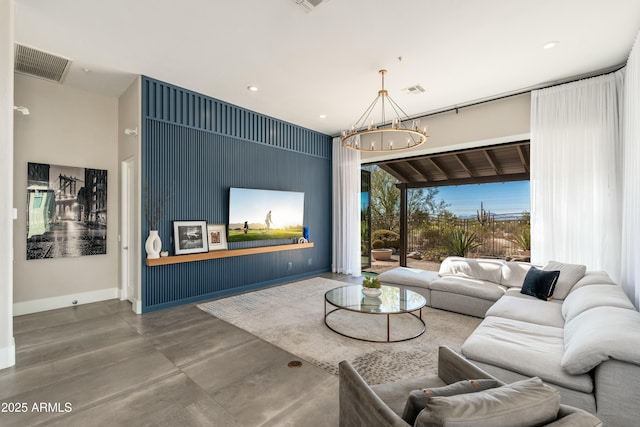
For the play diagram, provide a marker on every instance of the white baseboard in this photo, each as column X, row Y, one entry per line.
column 136, row 304
column 8, row 355
column 44, row 304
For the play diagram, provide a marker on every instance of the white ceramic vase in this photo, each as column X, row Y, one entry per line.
column 153, row 245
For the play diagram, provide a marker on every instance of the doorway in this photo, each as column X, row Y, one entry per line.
column 127, row 239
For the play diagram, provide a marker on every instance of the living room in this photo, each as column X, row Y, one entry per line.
column 72, row 125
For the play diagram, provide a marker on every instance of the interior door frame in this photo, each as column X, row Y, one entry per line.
column 127, row 243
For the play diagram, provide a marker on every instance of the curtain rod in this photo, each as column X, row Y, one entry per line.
column 529, row 89
column 518, row 92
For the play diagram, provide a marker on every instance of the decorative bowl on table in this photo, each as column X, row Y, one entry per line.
column 372, row 292
column 371, row 286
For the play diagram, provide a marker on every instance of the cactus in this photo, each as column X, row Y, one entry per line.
column 484, row 217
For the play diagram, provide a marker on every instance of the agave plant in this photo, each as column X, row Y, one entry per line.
column 523, row 239
column 460, row 242
column 371, row 282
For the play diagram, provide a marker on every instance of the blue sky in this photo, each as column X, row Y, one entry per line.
column 499, row 198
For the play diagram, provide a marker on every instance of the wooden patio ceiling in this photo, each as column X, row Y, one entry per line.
column 497, row 163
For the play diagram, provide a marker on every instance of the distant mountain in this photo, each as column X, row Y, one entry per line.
column 497, row 217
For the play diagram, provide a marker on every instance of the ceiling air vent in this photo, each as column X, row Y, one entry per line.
column 36, row 63
column 308, row 5
column 415, row 90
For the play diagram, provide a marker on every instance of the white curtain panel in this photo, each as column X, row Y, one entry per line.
column 630, row 270
column 346, row 210
column 575, row 160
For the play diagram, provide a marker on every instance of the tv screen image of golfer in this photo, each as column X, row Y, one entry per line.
column 256, row 214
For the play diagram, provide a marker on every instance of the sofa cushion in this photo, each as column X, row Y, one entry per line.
column 540, row 283
column 516, row 292
column 528, row 309
column 513, row 273
column 525, row 348
column 569, row 276
column 418, row 398
column 471, row 287
column 577, row 419
column 408, row 277
column 598, row 334
column 587, row 297
column 524, row 403
column 580, row 399
column 473, row 268
column 594, row 278
column 458, row 303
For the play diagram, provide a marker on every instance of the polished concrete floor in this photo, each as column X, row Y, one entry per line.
column 101, row 364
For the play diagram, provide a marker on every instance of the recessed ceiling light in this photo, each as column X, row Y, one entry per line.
column 86, row 70
column 551, row 44
column 323, row 116
column 252, row 88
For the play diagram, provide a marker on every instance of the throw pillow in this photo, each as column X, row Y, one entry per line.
column 539, row 283
column 569, row 276
column 524, row 403
column 419, row 398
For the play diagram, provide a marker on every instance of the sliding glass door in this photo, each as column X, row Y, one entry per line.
column 365, row 218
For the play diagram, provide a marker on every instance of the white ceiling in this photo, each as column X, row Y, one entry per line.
column 326, row 61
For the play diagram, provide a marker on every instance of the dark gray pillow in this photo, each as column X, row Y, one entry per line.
column 540, row 283
column 419, row 398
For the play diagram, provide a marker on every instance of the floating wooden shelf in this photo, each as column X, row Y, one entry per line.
column 224, row 254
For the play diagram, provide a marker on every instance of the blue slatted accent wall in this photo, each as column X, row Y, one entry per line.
column 193, row 149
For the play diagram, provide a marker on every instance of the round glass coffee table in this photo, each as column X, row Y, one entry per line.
column 393, row 300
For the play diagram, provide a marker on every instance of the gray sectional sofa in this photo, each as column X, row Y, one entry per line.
column 585, row 341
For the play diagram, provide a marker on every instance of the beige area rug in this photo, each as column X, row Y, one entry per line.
column 292, row 317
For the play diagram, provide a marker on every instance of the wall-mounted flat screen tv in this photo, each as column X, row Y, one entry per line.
column 256, row 214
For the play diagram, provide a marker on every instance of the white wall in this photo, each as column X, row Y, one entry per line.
column 66, row 127
column 495, row 122
column 7, row 344
column 129, row 117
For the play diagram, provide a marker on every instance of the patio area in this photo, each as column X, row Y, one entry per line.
column 381, row 266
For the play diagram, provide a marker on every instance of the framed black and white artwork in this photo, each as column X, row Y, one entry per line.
column 66, row 211
column 190, row 237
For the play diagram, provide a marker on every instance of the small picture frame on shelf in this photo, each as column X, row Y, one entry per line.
column 217, row 237
column 190, row 237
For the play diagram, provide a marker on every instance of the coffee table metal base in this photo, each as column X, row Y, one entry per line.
column 419, row 317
